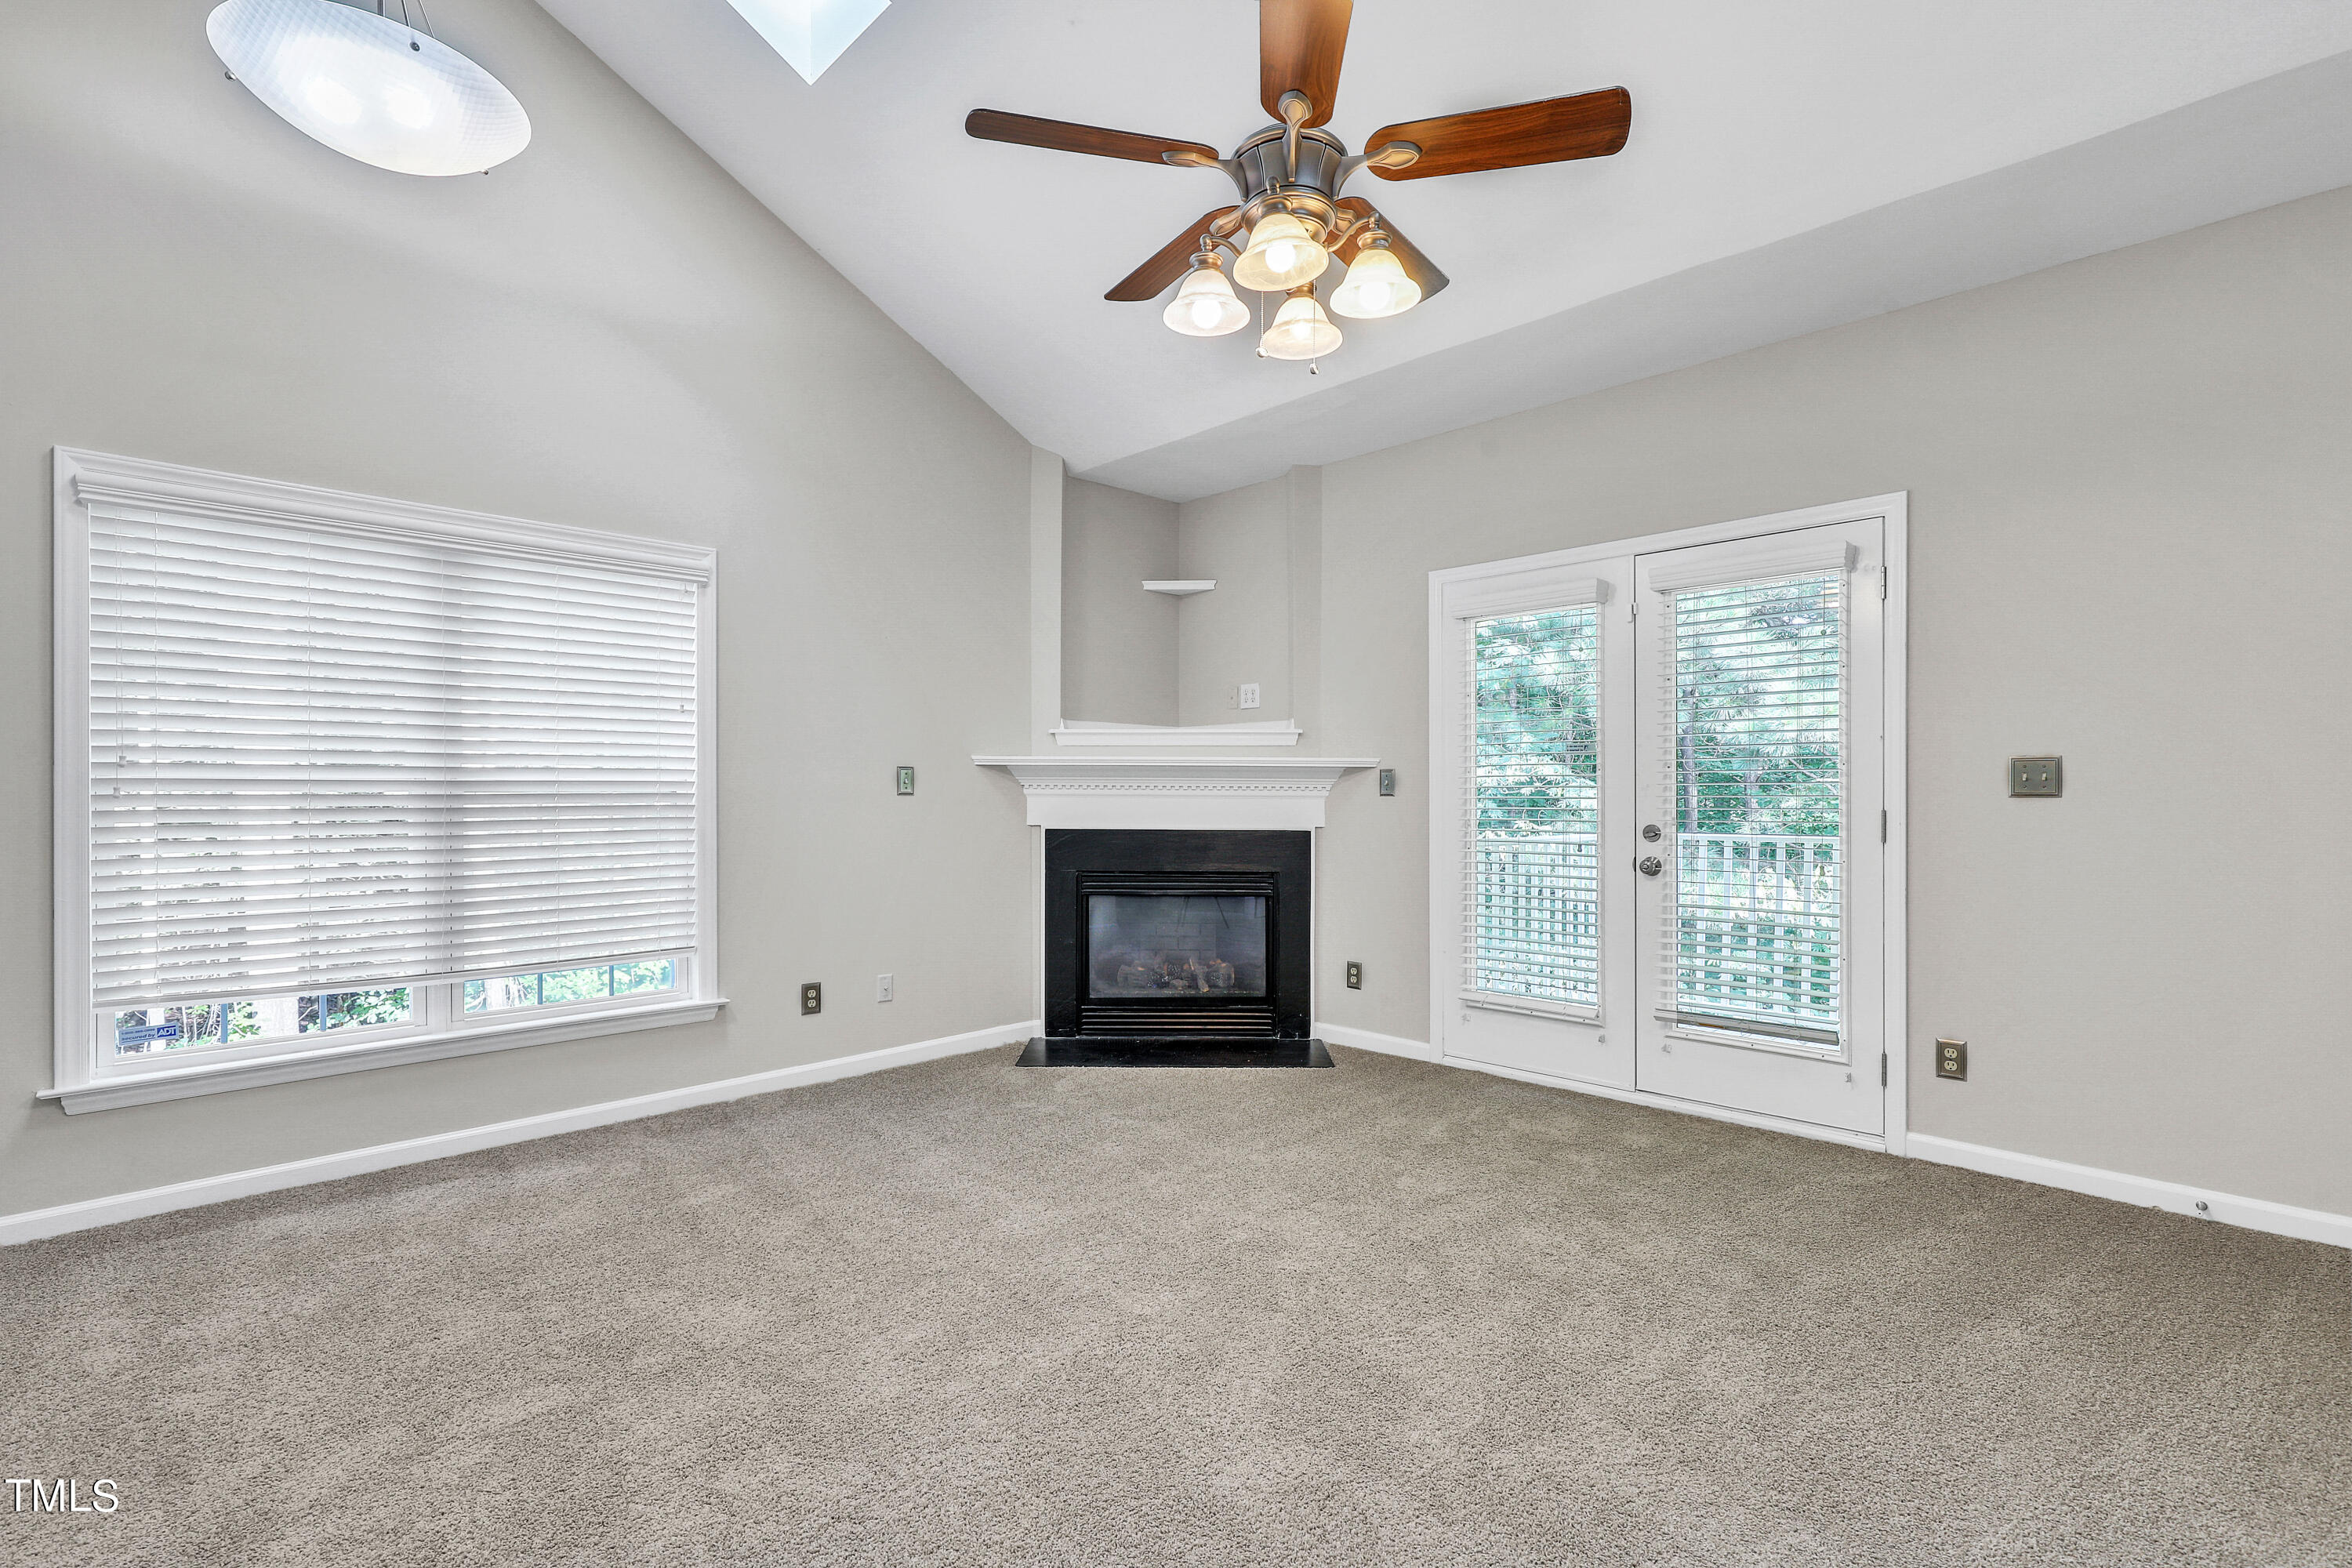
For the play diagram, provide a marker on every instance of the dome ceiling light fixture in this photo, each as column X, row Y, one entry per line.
column 1292, row 224
column 369, row 86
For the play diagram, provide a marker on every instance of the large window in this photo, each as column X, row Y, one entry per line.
column 344, row 778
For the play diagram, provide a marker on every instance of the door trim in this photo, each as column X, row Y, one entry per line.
column 1894, row 510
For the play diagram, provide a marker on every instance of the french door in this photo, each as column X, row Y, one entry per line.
column 1659, row 844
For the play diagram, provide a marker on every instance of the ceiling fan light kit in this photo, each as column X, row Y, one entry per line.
column 1300, row 330
column 1281, row 256
column 1205, row 305
column 1292, row 223
column 1377, row 285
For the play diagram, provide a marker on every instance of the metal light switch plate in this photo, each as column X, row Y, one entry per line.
column 1387, row 781
column 906, row 779
column 2036, row 776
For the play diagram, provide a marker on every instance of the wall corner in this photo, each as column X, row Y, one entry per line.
column 1046, row 482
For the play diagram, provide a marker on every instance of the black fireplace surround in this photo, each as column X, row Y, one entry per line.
column 1170, row 935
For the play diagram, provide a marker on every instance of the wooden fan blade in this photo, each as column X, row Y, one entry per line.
column 1417, row 267
column 1026, row 130
column 1299, row 46
column 1552, row 131
column 1174, row 260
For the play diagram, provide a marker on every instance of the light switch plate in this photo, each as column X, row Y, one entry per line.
column 882, row 987
column 1387, row 781
column 1249, row 694
column 2036, row 775
column 906, row 779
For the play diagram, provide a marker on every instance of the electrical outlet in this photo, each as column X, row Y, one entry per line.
column 1249, row 694
column 1355, row 976
column 2036, row 776
column 1387, row 781
column 812, row 997
column 881, row 988
column 1952, row 1058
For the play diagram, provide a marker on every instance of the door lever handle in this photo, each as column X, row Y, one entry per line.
column 1649, row 864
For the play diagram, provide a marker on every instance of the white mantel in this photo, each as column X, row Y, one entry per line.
column 1180, row 793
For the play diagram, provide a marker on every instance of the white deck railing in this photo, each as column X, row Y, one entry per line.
column 1535, row 917
column 1756, row 923
column 1759, row 926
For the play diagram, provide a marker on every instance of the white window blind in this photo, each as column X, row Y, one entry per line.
column 324, row 757
column 1755, row 677
column 1530, row 869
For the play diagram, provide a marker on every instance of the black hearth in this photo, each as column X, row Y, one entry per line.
column 1177, row 936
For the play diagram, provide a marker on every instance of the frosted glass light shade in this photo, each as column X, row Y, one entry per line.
column 1377, row 286
column 1300, row 331
column 368, row 87
column 1281, row 254
column 1206, row 305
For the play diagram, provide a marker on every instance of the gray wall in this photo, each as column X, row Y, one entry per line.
column 606, row 331
column 1241, row 630
column 1119, row 643
column 1135, row 657
column 2130, row 484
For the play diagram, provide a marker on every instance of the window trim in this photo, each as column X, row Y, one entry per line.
column 81, row 1076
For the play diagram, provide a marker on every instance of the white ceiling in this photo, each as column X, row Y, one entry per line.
column 1792, row 166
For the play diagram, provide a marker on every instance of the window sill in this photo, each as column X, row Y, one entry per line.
column 215, row 1078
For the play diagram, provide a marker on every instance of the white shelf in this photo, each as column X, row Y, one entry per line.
column 1098, row 732
column 1181, row 588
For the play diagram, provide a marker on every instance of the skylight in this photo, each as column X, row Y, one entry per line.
column 810, row 34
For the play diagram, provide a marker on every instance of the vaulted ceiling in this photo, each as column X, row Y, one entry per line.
column 1791, row 167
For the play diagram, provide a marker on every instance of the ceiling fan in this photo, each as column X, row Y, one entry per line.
column 1292, row 221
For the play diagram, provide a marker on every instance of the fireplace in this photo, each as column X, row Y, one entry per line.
column 1177, row 936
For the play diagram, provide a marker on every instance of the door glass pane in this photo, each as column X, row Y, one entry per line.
column 1759, row 807
column 1534, row 807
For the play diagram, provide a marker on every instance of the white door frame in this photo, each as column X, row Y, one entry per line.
column 1445, row 853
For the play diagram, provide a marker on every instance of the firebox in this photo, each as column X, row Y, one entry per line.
column 1167, row 935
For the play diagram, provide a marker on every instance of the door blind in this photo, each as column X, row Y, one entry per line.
column 1754, row 911
column 323, row 759
column 1530, row 874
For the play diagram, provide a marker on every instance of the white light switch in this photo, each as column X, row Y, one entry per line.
column 1249, row 695
column 881, row 988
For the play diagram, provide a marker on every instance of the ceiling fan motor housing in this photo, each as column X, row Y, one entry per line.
column 1261, row 168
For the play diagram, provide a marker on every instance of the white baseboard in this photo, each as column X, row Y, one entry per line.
column 2254, row 1214
column 1366, row 1040
column 1870, row 1141
column 2199, row 1202
column 35, row 1224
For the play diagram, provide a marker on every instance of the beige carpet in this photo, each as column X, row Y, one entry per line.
column 1390, row 1313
